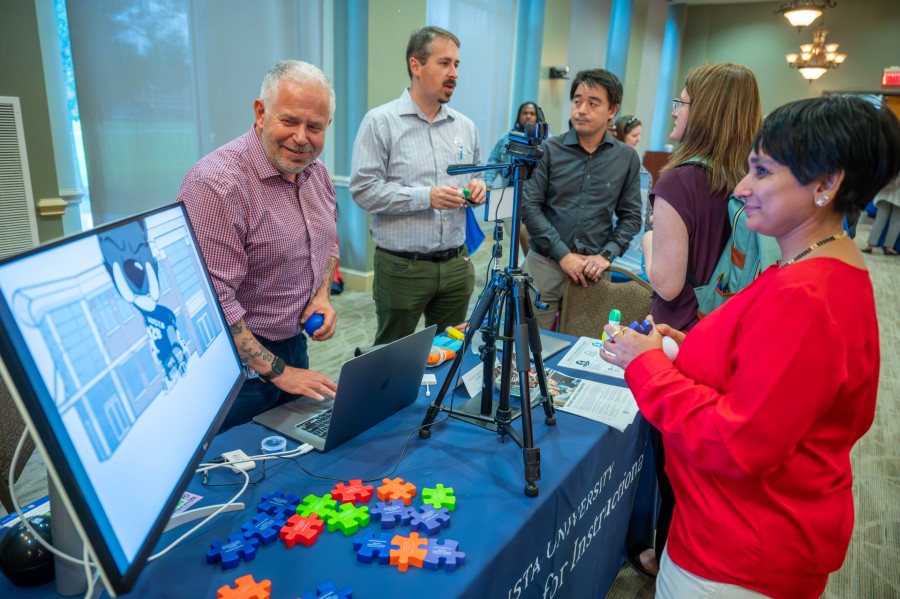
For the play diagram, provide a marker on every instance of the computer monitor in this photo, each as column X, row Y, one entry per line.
column 118, row 355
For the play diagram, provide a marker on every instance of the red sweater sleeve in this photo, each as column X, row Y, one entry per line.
column 786, row 364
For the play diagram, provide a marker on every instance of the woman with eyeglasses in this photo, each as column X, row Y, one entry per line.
column 715, row 120
column 769, row 393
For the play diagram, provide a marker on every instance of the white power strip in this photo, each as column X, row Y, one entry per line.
column 238, row 460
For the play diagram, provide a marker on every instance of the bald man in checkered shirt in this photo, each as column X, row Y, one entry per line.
column 264, row 212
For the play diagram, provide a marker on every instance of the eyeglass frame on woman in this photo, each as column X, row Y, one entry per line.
column 677, row 103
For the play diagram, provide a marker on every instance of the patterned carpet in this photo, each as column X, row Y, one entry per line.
column 868, row 572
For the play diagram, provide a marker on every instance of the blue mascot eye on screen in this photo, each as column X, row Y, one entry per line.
column 134, row 271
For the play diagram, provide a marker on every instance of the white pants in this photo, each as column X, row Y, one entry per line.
column 674, row 582
column 550, row 280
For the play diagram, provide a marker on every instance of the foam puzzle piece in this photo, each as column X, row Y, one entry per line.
column 263, row 527
column 396, row 488
column 408, row 551
column 373, row 545
column 327, row 590
column 429, row 520
column 303, row 530
column 443, row 553
column 323, row 506
column 246, row 588
column 439, row 497
column 278, row 504
column 348, row 518
column 232, row 551
column 643, row 328
column 354, row 490
column 390, row 514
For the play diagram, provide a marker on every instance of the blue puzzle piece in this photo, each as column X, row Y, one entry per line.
column 231, row 552
column 443, row 553
column 373, row 545
column 278, row 504
column 429, row 520
column 644, row 328
column 390, row 514
column 327, row 590
column 263, row 527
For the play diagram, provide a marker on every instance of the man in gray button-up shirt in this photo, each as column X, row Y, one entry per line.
column 584, row 178
column 398, row 174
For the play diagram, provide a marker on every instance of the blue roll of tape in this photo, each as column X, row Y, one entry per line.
column 274, row 444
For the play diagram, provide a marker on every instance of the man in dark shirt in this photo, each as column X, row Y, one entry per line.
column 584, row 178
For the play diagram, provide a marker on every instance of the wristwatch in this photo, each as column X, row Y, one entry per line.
column 607, row 255
column 277, row 370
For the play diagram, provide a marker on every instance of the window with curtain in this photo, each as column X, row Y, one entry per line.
column 162, row 83
column 487, row 33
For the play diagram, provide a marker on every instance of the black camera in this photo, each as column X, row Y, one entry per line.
column 526, row 144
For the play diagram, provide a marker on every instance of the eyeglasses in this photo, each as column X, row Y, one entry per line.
column 677, row 103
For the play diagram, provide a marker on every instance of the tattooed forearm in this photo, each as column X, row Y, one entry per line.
column 328, row 277
column 250, row 350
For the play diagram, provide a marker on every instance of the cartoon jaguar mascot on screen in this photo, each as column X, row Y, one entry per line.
column 133, row 269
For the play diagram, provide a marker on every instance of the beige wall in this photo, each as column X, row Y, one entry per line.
column 22, row 76
column 553, row 94
column 390, row 24
column 868, row 31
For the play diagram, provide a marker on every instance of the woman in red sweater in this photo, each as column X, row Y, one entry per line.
column 769, row 393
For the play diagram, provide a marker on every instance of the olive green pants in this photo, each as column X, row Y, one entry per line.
column 405, row 289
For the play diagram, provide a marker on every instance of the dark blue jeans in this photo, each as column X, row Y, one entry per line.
column 257, row 396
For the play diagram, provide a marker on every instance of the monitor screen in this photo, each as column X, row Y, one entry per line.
column 120, row 360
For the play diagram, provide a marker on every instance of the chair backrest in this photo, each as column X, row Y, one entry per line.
column 10, row 431
column 584, row 310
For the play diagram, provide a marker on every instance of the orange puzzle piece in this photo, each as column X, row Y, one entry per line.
column 396, row 488
column 247, row 588
column 409, row 551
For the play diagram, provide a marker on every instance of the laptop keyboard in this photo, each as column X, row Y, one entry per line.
column 318, row 424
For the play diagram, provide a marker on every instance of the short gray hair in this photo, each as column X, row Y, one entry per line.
column 299, row 71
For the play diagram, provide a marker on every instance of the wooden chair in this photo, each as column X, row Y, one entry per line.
column 585, row 310
column 10, row 431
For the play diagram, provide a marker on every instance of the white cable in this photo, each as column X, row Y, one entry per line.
column 22, row 519
column 208, row 518
column 91, row 578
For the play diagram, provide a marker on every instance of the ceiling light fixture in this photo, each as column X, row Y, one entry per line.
column 817, row 58
column 801, row 13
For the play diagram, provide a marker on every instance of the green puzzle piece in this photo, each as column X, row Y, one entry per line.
column 439, row 497
column 313, row 504
column 348, row 518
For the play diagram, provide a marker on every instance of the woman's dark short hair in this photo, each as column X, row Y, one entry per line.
column 823, row 136
column 599, row 78
column 419, row 45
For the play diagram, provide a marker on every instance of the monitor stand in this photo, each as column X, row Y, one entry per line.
column 71, row 579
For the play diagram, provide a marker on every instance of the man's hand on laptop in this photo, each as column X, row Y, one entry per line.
column 301, row 381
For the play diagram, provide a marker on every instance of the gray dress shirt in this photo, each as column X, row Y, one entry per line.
column 569, row 203
column 397, row 158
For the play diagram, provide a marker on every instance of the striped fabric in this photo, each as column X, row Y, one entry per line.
column 266, row 241
column 398, row 156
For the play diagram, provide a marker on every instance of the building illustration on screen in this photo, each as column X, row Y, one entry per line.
column 117, row 340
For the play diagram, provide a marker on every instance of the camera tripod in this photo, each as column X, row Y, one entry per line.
column 506, row 301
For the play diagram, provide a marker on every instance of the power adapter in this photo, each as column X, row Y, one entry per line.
column 238, row 460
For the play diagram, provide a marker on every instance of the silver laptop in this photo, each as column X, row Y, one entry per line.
column 371, row 387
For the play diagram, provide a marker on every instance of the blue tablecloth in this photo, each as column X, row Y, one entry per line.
column 567, row 542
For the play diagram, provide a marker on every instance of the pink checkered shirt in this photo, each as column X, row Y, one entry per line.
column 266, row 241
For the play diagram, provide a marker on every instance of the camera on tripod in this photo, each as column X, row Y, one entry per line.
column 526, row 144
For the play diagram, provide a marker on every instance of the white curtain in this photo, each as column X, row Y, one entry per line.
column 161, row 83
column 487, row 31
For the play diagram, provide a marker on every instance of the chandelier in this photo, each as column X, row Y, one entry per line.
column 816, row 58
column 801, row 13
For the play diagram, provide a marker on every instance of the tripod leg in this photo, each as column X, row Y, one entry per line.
column 534, row 338
column 530, row 453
